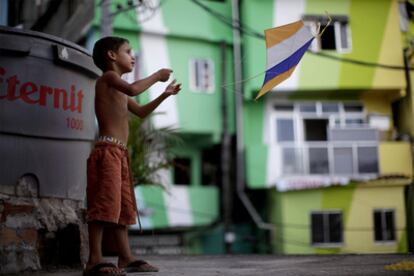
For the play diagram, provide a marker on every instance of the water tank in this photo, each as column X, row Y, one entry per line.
column 47, row 121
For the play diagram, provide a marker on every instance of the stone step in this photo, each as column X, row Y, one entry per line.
column 156, row 244
column 158, row 250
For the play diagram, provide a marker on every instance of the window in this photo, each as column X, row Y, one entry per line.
column 318, row 161
column 406, row 14
column 307, row 108
column 285, row 130
column 323, row 138
column 182, row 171
column 210, row 165
column 353, row 108
column 330, row 108
column 283, row 107
column 326, row 228
column 316, row 129
column 291, row 164
column 201, row 75
column 353, row 134
column 384, row 225
column 342, row 38
column 336, row 36
column 368, row 159
column 343, row 163
column 354, row 122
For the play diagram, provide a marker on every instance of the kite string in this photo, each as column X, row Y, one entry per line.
column 244, row 80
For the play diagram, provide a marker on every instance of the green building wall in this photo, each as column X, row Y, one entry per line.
column 198, row 113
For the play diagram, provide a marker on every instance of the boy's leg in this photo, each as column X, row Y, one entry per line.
column 95, row 232
column 124, row 252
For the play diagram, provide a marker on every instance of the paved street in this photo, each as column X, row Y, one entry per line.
column 265, row 265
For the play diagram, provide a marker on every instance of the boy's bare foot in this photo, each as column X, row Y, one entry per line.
column 136, row 265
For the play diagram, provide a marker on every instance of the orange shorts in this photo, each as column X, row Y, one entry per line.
column 110, row 192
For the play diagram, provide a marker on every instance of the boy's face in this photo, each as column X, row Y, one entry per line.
column 125, row 58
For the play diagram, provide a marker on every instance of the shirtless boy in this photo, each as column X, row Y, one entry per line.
column 110, row 195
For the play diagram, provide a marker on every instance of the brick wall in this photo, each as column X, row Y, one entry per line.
column 39, row 232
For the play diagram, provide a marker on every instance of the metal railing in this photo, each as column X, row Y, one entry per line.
column 333, row 158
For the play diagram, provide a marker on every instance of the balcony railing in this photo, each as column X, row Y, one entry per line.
column 330, row 158
column 348, row 152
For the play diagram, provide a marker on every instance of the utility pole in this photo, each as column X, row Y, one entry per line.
column 106, row 18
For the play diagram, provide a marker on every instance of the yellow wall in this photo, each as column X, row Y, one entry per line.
column 395, row 158
column 388, row 55
column 375, row 103
column 358, row 235
column 379, row 102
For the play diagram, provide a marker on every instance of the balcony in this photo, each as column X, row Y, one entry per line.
column 356, row 160
column 346, row 154
column 349, row 152
column 343, row 154
column 348, row 159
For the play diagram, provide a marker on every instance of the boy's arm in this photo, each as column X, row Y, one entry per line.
column 144, row 110
column 137, row 87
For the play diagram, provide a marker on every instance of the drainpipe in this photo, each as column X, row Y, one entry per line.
column 239, row 122
column 227, row 197
column 410, row 194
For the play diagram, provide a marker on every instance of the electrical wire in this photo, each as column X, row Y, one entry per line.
column 285, row 226
column 199, row 214
column 250, row 32
column 152, row 8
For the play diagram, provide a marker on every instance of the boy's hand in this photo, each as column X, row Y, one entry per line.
column 164, row 74
column 172, row 88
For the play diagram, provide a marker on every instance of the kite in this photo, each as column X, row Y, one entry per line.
column 285, row 45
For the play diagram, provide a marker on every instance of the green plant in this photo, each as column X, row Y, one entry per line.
column 150, row 149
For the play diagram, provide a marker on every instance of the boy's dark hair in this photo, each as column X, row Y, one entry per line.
column 102, row 46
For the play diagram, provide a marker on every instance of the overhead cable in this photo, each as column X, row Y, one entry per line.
column 251, row 32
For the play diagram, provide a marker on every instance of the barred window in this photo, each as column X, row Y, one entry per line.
column 326, row 228
column 201, row 75
column 182, row 171
column 337, row 35
column 384, row 225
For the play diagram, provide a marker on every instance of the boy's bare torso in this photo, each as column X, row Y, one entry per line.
column 111, row 107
